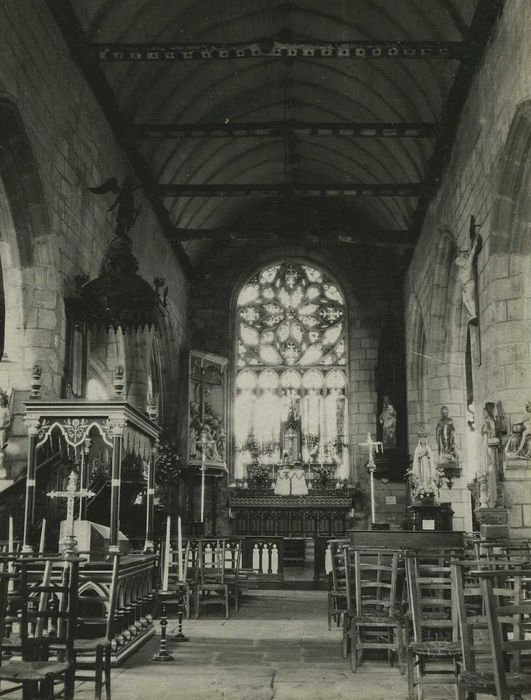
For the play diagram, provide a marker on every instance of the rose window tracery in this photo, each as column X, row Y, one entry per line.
column 291, row 315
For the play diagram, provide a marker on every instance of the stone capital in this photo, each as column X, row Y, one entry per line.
column 32, row 425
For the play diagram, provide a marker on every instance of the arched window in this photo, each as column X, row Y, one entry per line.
column 291, row 358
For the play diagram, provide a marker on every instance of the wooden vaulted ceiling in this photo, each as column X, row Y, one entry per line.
column 352, row 99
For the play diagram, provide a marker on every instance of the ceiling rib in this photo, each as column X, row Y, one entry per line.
column 287, row 128
column 407, row 189
column 73, row 34
column 274, row 48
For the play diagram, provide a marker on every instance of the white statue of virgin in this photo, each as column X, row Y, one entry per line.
column 423, row 465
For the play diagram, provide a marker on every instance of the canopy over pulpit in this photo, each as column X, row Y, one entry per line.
column 104, row 440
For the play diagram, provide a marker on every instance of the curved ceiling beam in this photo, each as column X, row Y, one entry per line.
column 415, row 152
column 204, row 82
column 213, row 164
column 257, row 167
column 227, row 145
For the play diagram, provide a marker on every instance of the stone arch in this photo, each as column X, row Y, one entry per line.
column 510, row 220
column 507, row 274
column 29, row 254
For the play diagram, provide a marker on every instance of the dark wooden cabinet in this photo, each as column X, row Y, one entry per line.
column 435, row 516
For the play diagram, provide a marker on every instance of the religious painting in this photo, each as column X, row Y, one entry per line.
column 207, row 409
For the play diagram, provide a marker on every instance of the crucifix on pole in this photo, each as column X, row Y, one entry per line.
column 374, row 447
column 71, row 493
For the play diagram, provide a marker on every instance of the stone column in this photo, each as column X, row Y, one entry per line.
column 150, row 503
column 32, row 425
column 117, row 440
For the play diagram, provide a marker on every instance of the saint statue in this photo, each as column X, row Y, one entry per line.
column 388, row 423
column 5, row 422
column 488, row 432
column 423, row 465
column 466, row 262
column 519, row 444
column 5, row 419
column 445, row 436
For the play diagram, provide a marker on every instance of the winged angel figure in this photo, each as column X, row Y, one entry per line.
column 126, row 211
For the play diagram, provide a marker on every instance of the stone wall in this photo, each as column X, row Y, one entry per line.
column 55, row 144
column 487, row 176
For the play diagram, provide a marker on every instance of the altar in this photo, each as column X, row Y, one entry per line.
column 291, row 500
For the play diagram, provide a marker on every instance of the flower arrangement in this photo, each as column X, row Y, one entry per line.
column 259, row 476
column 251, row 445
column 321, row 476
column 421, row 492
column 311, row 442
column 256, row 448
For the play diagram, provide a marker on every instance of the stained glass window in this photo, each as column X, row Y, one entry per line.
column 291, row 356
column 291, row 315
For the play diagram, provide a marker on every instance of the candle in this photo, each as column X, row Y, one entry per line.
column 203, row 469
column 11, row 540
column 43, row 536
column 180, row 548
column 167, row 550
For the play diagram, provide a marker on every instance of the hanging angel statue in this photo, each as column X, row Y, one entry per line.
column 126, row 211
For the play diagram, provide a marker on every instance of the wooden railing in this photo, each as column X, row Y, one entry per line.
column 264, row 558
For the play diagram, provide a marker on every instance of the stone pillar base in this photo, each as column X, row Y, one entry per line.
column 493, row 522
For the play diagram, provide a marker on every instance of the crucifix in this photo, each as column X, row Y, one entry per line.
column 374, row 447
column 71, row 493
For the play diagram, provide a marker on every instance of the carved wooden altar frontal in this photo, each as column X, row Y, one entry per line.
column 291, row 516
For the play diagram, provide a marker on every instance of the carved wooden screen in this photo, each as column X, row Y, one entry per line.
column 290, row 322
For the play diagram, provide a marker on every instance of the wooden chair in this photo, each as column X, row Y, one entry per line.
column 97, row 615
column 41, row 628
column 375, row 619
column 211, row 577
column 337, row 595
column 232, row 557
column 494, row 613
column 434, row 650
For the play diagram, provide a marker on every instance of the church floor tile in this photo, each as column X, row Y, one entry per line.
column 277, row 647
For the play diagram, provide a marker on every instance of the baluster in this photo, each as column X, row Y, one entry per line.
column 274, row 558
column 256, row 558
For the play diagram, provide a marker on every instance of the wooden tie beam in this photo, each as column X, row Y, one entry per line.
column 283, row 129
column 164, row 52
column 409, row 189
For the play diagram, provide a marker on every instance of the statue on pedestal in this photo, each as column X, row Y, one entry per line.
column 445, row 436
column 519, row 444
column 489, row 444
column 388, row 419
column 5, row 423
column 423, row 466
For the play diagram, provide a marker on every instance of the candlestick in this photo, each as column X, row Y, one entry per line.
column 163, row 653
column 11, row 538
column 180, row 548
column 43, row 536
column 203, row 469
column 167, row 549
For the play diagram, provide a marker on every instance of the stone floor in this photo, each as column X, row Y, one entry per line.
column 276, row 648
